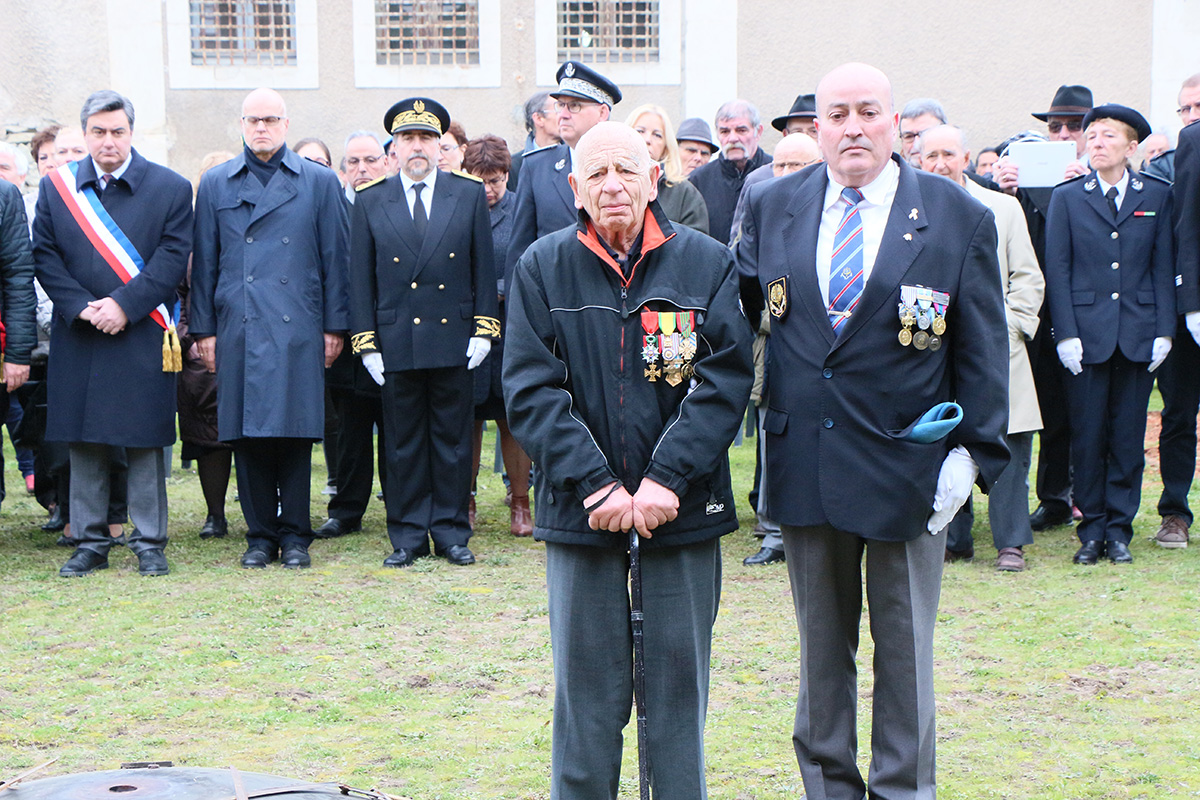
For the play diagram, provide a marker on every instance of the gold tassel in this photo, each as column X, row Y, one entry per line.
column 172, row 355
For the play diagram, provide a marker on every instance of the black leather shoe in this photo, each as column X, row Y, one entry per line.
column 458, row 554
column 257, row 558
column 295, row 556
column 152, row 562
column 332, row 528
column 1118, row 553
column 83, row 562
column 766, row 555
column 56, row 521
column 400, row 558
column 1090, row 553
column 1043, row 519
column 214, row 527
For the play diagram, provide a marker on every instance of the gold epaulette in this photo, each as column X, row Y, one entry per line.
column 369, row 184
column 462, row 174
column 487, row 326
column 363, row 343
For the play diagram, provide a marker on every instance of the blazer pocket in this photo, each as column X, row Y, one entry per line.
column 775, row 422
column 1145, row 298
column 1083, row 298
column 385, row 316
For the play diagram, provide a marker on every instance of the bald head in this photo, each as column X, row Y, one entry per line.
column 614, row 180
column 609, row 136
column 856, row 123
column 793, row 154
column 265, row 98
column 264, row 122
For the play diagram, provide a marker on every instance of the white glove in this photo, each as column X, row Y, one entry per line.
column 477, row 350
column 1158, row 353
column 955, row 480
column 1192, row 320
column 1070, row 353
column 373, row 364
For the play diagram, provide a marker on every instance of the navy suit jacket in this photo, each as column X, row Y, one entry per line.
column 421, row 299
column 1110, row 282
column 1187, row 218
column 545, row 202
column 835, row 406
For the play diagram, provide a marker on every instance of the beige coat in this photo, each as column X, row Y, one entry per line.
column 1024, row 288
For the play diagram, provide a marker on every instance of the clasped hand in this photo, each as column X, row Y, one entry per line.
column 652, row 505
column 106, row 315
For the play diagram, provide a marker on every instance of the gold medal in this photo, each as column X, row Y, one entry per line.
column 939, row 325
column 906, row 337
column 674, row 373
column 653, row 373
column 921, row 340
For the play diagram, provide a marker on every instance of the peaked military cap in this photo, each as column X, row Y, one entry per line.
column 417, row 114
column 580, row 80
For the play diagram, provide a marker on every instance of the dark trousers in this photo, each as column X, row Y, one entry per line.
column 903, row 583
column 428, row 415
column 588, row 590
column 1054, row 441
column 358, row 415
column 1179, row 384
column 1108, row 430
column 273, row 479
column 1008, row 503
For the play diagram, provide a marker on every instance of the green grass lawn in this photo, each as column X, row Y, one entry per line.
column 435, row 681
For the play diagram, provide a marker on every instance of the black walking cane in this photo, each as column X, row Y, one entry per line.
column 639, row 662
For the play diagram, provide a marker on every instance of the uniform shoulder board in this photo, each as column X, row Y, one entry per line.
column 369, row 184
column 1150, row 176
column 468, row 175
column 538, row 150
column 1073, row 180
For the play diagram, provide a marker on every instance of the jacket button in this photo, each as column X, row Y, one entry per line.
column 283, row 279
column 826, row 373
column 1115, row 265
column 285, row 240
column 1114, row 235
column 441, row 286
column 249, row 240
column 245, row 319
column 249, row 279
column 396, row 259
column 452, row 255
column 1115, row 295
column 416, row 320
column 413, row 285
column 443, row 320
column 286, row 318
column 827, row 422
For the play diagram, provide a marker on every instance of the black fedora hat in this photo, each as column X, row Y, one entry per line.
column 1069, row 101
column 805, row 106
column 1121, row 114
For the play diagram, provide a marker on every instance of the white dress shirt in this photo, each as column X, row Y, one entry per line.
column 426, row 193
column 874, row 209
column 1121, row 185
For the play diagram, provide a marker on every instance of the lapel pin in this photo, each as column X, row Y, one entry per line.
column 913, row 215
column 908, row 237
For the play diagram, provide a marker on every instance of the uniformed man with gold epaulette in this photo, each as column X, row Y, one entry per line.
column 423, row 314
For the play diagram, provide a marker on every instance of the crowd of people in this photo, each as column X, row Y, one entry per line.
column 903, row 315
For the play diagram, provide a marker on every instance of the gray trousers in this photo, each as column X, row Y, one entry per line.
column 1008, row 503
column 593, row 665
column 903, row 581
column 773, row 539
column 90, row 491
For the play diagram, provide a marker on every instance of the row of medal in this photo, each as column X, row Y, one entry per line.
column 671, row 335
column 926, row 309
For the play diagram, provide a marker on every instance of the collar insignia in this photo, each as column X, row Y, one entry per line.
column 1136, row 184
column 561, row 163
column 1089, row 186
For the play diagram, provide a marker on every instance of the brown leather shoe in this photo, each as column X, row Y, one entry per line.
column 471, row 512
column 1011, row 559
column 1173, row 533
column 521, row 523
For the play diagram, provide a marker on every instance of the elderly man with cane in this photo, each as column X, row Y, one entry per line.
column 626, row 372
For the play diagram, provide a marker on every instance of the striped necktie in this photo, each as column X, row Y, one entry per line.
column 846, row 264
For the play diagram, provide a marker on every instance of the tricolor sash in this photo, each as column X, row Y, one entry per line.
column 114, row 247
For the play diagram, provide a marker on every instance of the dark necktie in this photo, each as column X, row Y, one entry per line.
column 105, row 180
column 420, row 219
column 1111, row 196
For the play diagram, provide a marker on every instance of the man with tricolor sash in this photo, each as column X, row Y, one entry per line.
column 111, row 238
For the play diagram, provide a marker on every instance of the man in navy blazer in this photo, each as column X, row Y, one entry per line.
column 885, row 301
column 106, row 382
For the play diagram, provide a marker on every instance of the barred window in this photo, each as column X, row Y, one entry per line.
column 255, row 33
column 427, row 32
column 608, row 31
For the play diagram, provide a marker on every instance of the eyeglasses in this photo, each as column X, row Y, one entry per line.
column 446, row 148
column 574, row 106
column 1187, row 110
column 318, row 160
column 270, row 122
column 370, row 161
column 497, row 181
column 793, row 165
column 909, row 136
column 1073, row 126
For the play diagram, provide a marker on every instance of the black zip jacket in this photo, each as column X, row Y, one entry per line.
column 17, row 301
column 577, row 376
